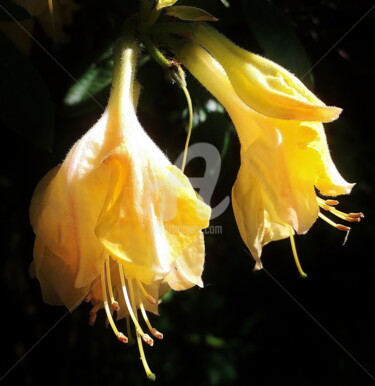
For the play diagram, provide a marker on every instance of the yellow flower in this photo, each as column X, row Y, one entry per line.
column 116, row 223
column 262, row 84
column 282, row 162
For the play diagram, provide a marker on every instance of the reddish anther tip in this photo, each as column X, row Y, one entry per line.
column 92, row 319
column 122, row 338
column 356, row 215
column 157, row 334
column 89, row 296
column 342, row 228
column 148, row 339
column 331, row 202
column 115, row 306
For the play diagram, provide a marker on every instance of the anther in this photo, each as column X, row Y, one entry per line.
column 118, row 334
column 153, row 330
column 115, row 306
column 148, row 297
column 340, row 227
column 130, row 304
column 122, row 338
column 156, row 333
column 93, row 313
column 331, row 202
column 147, row 339
column 356, row 215
column 89, row 296
column 92, row 319
column 329, row 206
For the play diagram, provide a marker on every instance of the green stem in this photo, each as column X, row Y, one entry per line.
column 155, row 52
column 177, row 75
column 190, row 125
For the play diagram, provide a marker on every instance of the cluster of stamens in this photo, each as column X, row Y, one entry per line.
column 131, row 289
column 329, row 206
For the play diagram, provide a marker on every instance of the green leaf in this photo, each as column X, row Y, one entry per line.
column 25, row 103
column 92, row 87
column 190, row 13
column 277, row 38
column 10, row 11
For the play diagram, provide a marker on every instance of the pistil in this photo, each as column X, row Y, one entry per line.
column 295, row 254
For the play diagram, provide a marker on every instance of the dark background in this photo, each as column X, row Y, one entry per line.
column 259, row 328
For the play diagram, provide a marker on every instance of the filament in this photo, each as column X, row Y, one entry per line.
column 138, row 328
column 149, row 373
column 144, row 292
column 190, row 125
column 329, row 206
column 120, row 336
column 128, row 329
column 153, row 330
column 295, row 254
column 340, row 227
column 109, row 284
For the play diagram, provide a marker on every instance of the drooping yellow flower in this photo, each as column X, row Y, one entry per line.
column 282, row 162
column 116, row 223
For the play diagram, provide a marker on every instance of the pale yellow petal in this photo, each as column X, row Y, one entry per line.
column 186, row 270
column 57, row 280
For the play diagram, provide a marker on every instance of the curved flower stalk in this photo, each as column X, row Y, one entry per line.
column 116, row 223
column 282, row 162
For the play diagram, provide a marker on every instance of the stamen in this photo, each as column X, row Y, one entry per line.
column 120, row 336
column 295, row 255
column 330, row 222
column 328, row 205
column 138, row 328
column 153, row 330
column 129, row 331
column 89, row 296
column 149, row 373
column 93, row 313
column 144, row 292
column 330, row 202
column 114, row 304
